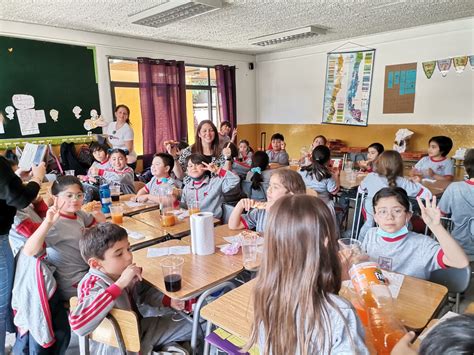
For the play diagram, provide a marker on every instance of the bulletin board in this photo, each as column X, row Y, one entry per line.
column 399, row 88
column 46, row 89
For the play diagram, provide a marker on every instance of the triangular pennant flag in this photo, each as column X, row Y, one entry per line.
column 429, row 67
column 443, row 66
column 460, row 63
column 471, row 61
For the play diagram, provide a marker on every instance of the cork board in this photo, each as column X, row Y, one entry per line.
column 399, row 88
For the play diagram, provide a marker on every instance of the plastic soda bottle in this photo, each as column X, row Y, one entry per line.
column 105, row 197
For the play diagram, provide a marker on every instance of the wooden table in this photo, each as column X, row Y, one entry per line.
column 219, row 233
column 152, row 235
column 180, row 229
column 416, row 304
column 143, row 207
column 200, row 272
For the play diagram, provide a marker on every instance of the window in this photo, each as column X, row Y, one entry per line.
column 124, row 86
column 201, row 97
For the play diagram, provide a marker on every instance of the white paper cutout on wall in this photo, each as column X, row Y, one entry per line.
column 10, row 112
column 2, row 130
column 94, row 113
column 27, row 121
column 77, row 111
column 23, row 102
column 40, row 116
column 54, row 115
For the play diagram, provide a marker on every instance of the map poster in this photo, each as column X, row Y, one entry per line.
column 347, row 90
column 399, row 88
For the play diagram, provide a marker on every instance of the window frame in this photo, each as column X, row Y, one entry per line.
column 207, row 87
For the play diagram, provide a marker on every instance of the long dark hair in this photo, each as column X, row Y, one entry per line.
column 390, row 165
column 320, row 156
column 259, row 160
column 126, row 108
column 197, row 146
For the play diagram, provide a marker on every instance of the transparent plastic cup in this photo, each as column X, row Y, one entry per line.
column 250, row 253
column 69, row 172
column 194, row 207
column 172, row 268
column 115, row 193
column 116, row 213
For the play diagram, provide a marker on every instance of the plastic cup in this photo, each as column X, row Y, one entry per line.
column 116, row 212
column 168, row 218
column 351, row 244
column 250, row 252
column 193, row 207
column 115, row 193
column 348, row 165
column 69, row 172
column 172, row 268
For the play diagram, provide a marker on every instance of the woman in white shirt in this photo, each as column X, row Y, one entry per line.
column 120, row 134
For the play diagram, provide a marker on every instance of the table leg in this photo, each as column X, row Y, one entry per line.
column 208, row 331
column 197, row 310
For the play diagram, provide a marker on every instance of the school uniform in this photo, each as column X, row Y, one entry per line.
column 444, row 167
column 373, row 183
column 209, row 191
column 409, row 253
column 458, row 201
column 261, row 193
column 347, row 331
column 245, row 158
column 281, row 157
column 105, row 165
column 185, row 153
column 62, row 249
column 25, row 223
column 98, row 294
column 124, row 177
column 156, row 183
column 254, row 219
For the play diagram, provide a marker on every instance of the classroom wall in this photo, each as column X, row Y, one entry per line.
column 290, row 84
column 108, row 45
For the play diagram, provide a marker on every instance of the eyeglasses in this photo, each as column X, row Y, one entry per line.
column 71, row 196
column 384, row 213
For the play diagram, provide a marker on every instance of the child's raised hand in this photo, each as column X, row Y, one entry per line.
column 129, row 276
column 52, row 215
column 171, row 148
column 431, row 214
column 234, row 133
column 177, row 304
column 226, row 151
column 213, row 168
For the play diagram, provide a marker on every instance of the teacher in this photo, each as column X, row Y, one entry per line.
column 120, row 134
column 13, row 195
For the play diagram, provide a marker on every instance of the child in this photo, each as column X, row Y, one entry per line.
column 62, row 235
column 119, row 173
column 296, row 306
column 317, row 141
column 161, row 168
column 278, row 154
column 101, row 156
column 436, row 165
column 282, row 182
column 91, row 183
column 225, row 134
column 318, row 177
column 207, row 190
column 409, row 253
column 388, row 173
column 458, row 201
column 113, row 280
column 374, row 150
column 259, row 176
column 245, row 152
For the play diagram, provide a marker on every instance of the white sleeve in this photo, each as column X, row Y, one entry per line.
column 128, row 134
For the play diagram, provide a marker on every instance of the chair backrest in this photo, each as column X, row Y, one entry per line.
column 357, row 219
column 138, row 185
column 258, row 195
column 456, row 280
column 105, row 333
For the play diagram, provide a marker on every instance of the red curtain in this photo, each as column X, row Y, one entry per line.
column 162, row 101
column 225, row 77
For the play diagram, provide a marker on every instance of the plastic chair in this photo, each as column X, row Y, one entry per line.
column 357, row 219
column 119, row 329
column 456, row 280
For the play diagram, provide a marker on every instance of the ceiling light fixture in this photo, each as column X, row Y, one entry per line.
column 290, row 35
column 174, row 10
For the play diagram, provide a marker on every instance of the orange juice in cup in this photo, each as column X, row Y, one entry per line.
column 193, row 207
column 116, row 212
column 168, row 219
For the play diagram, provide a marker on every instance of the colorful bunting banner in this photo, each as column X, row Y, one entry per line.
column 429, row 67
column 460, row 63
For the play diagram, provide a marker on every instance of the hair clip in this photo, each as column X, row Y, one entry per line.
column 256, row 170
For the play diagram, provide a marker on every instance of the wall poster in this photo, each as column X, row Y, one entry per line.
column 399, row 88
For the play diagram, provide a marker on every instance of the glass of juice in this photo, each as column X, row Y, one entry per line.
column 172, row 268
column 116, row 212
column 115, row 193
column 168, row 218
column 193, row 207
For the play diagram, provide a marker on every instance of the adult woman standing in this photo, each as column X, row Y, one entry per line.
column 207, row 144
column 13, row 195
column 120, row 134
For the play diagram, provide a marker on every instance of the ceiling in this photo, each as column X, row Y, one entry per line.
column 231, row 27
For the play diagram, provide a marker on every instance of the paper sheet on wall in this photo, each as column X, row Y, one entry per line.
column 2, row 130
column 27, row 120
column 40, row 116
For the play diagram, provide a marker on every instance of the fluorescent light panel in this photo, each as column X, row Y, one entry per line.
column 174, row 10
column 290, row 35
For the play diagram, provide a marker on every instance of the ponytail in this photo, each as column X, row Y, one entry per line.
column 320, row 156
column 260, row 162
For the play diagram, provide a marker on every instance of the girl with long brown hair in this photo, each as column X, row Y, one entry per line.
column 388, row 173
column 296, row 307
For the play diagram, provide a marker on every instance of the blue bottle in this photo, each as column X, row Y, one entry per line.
column 105, row 197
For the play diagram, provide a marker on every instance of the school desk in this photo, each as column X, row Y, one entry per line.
column 146, row 234
column 180, row 229
column 415, row 305
column 139, row 208
column 200, row 273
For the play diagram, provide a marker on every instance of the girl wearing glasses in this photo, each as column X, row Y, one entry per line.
column 397, row 249
column 61, row 232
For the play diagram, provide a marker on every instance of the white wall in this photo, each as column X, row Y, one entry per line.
column 107, row 45
column 290, row 84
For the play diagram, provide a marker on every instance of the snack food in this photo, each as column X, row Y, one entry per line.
column 90, row 206
column 259, row 205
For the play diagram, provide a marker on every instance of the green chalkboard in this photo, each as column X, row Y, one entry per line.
column 58, row 77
